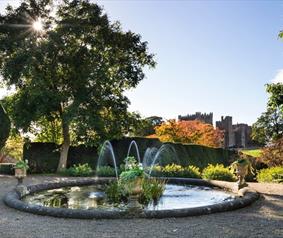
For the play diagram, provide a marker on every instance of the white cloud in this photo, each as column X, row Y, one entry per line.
column 278, row 77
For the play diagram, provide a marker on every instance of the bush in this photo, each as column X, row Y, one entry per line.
column 105, row 171
column 80, row 170
column 273, row 175
column 174, row 170
column 218, row 172
column 256, row 153
column 272, row 155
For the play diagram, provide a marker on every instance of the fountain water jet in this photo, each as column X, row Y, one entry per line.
column 166, row 154
column 137, row 150
column 107, row 147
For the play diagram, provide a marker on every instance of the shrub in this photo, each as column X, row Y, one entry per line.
column 218, row 172
column 272, row 155
column 256, row 153
column 80, row 170
column 273, row 175
column 174, row 170
column 105, row 171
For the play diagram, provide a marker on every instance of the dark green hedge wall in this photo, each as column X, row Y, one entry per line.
column 201, row 156
column 7, row 168
column 44, row 157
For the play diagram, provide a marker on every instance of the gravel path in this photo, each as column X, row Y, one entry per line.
column 262, row 219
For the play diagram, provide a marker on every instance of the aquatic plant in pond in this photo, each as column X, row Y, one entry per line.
column 134, row 182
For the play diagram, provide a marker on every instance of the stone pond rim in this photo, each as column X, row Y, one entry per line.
column 13, row 200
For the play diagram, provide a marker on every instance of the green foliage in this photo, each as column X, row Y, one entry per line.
column 152, row 190
column 200, row 156
column 80, row 170
column 271, row 175
column 253, row 153
column 77, row 75
column 132, row 171
column 269, row 126
column 145, row 126
column 174, row 170
column 133, row 176
column 116, row 193
column 48, row 130
column 44, row 157
column 130, row 174
column 14, row 146
column 218, row 172
column 275, row 91
column 105, row 171
column 5, row 126
column 22, row 164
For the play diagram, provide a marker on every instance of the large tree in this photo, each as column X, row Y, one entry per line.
column 192, row 132
column 146, row 126
column 72, row 65
column 269, row 126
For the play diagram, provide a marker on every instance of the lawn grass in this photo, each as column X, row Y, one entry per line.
column 254, row 153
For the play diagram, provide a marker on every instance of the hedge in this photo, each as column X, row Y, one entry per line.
column 7, row 168
column 44, row 157
column 201, row 156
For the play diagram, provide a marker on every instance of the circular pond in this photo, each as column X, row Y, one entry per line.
column 93, row 197
column 86, row 199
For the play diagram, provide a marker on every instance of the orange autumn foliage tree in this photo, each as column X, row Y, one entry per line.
column 190, row 132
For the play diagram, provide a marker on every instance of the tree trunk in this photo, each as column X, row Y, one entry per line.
column 65, row 146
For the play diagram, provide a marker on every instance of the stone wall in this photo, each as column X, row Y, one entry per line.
column 204, row 117
column 237, row 136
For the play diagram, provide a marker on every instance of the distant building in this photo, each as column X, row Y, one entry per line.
column 204, row 117
column 238, row 136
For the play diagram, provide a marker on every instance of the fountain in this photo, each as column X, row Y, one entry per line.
column 105, row 151
column 89, row 198
column 165, row 155
column 134, row 143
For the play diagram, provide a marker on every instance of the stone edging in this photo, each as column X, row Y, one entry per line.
column 13, row 199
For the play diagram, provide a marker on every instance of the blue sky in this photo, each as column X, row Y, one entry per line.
column 212, row 56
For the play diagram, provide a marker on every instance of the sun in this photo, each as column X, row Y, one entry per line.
column 37, row 25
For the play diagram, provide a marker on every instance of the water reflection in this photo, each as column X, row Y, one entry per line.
column 90, row 197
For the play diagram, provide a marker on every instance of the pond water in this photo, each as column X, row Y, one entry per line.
column 93, row 197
